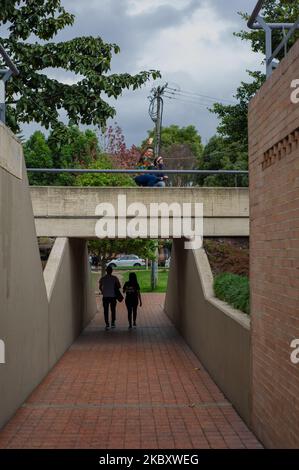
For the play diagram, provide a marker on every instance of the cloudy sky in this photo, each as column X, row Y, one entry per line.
column 190, row 41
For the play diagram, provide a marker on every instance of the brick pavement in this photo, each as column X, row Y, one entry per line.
column 142, row 388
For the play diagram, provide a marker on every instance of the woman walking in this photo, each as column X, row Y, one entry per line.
column 132, row 291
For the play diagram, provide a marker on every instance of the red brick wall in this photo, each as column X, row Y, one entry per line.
column 274, row 264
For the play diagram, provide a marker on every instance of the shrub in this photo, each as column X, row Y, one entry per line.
column 234, row 290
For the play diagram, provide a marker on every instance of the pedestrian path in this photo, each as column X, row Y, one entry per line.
column 123, row 388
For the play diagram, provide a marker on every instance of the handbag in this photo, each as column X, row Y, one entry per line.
column 118, row 295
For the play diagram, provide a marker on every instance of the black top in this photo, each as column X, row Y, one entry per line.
column 159, row 167
column 131, row 291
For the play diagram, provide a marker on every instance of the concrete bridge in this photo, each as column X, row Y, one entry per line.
column 70, row 211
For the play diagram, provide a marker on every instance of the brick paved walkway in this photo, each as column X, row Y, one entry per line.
column 128, row 389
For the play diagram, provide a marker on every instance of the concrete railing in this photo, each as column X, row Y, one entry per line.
column 218, row 334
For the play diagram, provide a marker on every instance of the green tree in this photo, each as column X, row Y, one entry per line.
column 229, row 150
column 274, row 11
column 72, row 148
column 175, row 135
column 103, row 163
column 38, row 154
column 33, row 95
column 107, row 249
column 220, row 154
column 181, row 148
column 233, row 126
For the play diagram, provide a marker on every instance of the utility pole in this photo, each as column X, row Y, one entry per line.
column 156, row 114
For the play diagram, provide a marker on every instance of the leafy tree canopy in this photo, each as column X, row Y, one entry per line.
column 175, row 135
column 233, row 126
column 275, row 11
column 33, row 95
column 71, row 149
column 38, row 154
column 105, row 179
column 229, row 149
column 219, row 154
column 107, row 249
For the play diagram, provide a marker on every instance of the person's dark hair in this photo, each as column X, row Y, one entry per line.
column 133, row 279
column 109, row 270
column 156, row 160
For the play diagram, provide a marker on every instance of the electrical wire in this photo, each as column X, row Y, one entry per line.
column 173, row 93
column 198, row 95
column 187, row 101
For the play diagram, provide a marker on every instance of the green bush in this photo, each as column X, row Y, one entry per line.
column 234, row 290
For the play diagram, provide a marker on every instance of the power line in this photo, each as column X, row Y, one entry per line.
column 195, row 99
column 195, row 103
column 185, row 99
column 199, row 95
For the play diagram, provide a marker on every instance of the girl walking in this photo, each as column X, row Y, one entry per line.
column 133, row 297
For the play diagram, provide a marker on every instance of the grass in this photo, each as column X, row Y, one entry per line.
column 234, row 290
column 144, row 279
column 126, row 268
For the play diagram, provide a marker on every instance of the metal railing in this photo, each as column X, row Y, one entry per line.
column 5, row 75
column 256, row 21
column 76, row 171
column 133, row 171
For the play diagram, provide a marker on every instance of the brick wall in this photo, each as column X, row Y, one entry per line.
column 274, row 218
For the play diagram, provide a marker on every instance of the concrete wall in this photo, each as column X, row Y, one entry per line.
column 70, row 211
column 23, row 298
column 34, row 331
column 218, row 334
column 67, row 275
column 274, row 256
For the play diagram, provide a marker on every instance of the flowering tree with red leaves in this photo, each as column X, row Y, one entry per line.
column 113, row 144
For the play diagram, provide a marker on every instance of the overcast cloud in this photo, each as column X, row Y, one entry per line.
column 190, row 41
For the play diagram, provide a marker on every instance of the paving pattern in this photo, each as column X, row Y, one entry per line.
column 124, row 389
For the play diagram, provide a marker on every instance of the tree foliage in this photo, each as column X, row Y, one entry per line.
column 229, row 149
column 112, row 142
column 175, row 135
column 233, row 125
column 104, row 162
column 105, row 250
column 109, row 248
column 33, row 95
column 71, row 149
column 38, row 153
column 275, row 11
column 181, row 148
column 219, row 154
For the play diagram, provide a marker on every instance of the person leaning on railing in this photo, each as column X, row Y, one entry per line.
column 147, row 162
